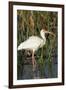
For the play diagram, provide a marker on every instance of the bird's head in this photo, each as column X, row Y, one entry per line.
column 43, row 32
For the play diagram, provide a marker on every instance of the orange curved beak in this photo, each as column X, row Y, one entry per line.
column 51, row 33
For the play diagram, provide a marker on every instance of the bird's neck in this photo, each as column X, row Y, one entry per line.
column 43, row 36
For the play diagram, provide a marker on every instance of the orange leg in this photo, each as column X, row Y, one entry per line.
column 33, row 61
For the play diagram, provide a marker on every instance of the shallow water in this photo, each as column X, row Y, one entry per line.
column 26, row 71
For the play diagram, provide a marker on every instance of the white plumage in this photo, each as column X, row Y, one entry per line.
column 33, row 43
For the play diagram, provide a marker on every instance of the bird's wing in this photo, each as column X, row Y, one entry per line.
column 32, row 43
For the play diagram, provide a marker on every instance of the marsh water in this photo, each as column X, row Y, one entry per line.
column 45, row 70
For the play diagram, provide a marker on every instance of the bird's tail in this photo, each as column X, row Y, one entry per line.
column 19, row 47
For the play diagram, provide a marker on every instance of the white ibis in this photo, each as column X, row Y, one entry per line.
column 33, row 43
